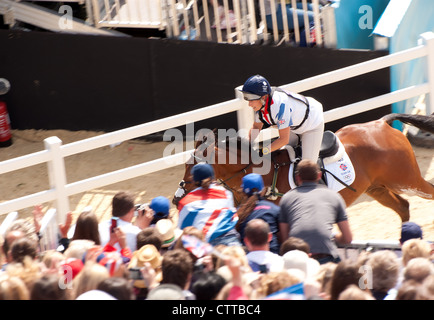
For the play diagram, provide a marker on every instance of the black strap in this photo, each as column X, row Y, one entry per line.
column 292, row 95
column 300, row 98
column 343, row 183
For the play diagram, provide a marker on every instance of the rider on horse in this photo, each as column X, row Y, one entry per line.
column 296, row 117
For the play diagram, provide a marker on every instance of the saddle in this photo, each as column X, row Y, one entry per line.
column 329, row 145
column 330, row 151
column 329, row 148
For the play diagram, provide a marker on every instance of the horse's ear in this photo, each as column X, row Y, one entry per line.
column 211, row 136
column 206, row 135
column 197, row 144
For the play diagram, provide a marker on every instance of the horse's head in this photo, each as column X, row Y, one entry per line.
column 227, row 158
column 203, row 151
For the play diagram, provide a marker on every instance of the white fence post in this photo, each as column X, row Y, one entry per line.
column 427, row 39
column 245, row 116
column 317, row 22
column 57, row 176
column 11, row 217
column 49, row 231
column 329, row 26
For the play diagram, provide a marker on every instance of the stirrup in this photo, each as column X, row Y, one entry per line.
column 269, row 195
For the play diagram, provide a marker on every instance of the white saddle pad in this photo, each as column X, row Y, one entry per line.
column 339, row 164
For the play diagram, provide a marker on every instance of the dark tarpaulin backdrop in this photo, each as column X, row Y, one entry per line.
column 80, row 82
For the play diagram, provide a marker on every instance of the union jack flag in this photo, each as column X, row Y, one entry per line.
column 196, row 246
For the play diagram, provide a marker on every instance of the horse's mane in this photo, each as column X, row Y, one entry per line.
column 227, row 141
column 241, row 143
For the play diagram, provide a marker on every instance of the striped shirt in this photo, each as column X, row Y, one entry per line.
column 212, row 211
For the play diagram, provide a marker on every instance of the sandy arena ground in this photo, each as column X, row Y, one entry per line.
column 368, row 219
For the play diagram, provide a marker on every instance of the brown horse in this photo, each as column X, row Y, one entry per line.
column 384, row 162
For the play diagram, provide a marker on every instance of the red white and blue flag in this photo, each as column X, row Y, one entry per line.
column 196, row 246
column 212, row 211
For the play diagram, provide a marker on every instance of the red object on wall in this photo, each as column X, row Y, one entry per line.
column 5, row 127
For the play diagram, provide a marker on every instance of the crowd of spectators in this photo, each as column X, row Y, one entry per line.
column 143, row 254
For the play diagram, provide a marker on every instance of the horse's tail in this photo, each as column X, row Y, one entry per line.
column 425, row 123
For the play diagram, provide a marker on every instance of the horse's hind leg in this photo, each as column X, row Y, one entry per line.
column 391, row 200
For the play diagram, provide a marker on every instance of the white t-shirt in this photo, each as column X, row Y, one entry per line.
column 273, row 261
column 128, row 228
column 285, row 111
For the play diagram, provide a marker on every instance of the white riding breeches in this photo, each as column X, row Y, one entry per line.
column 310, row 142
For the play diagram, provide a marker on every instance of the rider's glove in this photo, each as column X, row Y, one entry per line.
column 264, row 151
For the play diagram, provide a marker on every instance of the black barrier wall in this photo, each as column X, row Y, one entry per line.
column 79, row 82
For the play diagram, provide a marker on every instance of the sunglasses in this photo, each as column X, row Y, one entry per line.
column 251, row 96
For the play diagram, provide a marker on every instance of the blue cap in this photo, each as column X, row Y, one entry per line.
column 202, row 171
column 252, row 181
column 160, row 205
column 410, row 230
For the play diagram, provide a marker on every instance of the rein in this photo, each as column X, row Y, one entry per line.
column 227, row 187
column 220, row 181
column 272, row 191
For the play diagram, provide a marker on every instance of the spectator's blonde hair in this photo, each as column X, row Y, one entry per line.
column 205, row 183
column 415, row 248
column 51, row 258
column 426, row 290
column 418, row 269
column 89, row 278
column 233, row 251
column 13, row 288
column 385, row 270
column 29, row 270
column 275, row 281
column 353, row 292
column 324, row 276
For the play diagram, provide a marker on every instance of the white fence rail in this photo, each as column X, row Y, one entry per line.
column 55, row 152
column 352, row 251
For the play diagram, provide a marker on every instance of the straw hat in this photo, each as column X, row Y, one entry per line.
column 167, row 231
column 147, row 253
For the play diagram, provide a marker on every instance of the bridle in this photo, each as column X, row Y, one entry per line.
column 227, row 187
column 219, row 181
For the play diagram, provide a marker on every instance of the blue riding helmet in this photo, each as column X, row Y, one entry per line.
column 255, row 87
column 252, row 181
column 202, row 171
